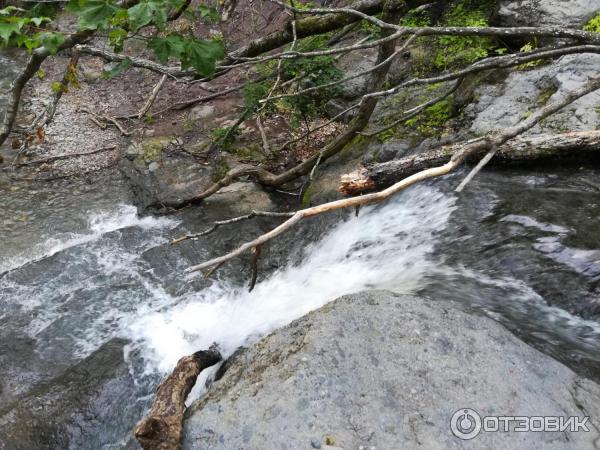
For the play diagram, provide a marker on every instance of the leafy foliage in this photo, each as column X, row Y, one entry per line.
column 311, row 72
column 224, row 137
column 117, row 69
column 459, row 50
column 18, row 28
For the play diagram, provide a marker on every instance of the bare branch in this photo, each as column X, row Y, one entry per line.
column 219, row 223
column 142, row 112
column 171, row 71
column 493, row 140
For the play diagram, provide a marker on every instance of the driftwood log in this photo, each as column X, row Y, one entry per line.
column 521, row 150
column 162, row 429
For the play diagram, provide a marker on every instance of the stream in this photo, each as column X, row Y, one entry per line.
column 95, row 307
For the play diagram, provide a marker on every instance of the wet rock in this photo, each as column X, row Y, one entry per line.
column 202, row 112
column 159, row 171
column 241, row 198
column 564, row 13
column 85, row 407
column 386, row 151
column 379, row 370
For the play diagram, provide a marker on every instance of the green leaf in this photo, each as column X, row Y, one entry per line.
column 7, row 30
column 202, row 55
column 6, row 11
column 209, row 12
column 93, row 14
column 116, row 39
column 148, row 12
column 37, row 21
column 165, row 48
column 118, row 69
column 51, row 41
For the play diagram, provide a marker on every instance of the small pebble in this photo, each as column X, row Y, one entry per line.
column 314, row 443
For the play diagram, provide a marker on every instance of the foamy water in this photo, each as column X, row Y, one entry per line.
column 385, row 247
column 123, row 216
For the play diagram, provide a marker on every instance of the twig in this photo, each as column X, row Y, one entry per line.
column 254, row 264
column 65, row 156
column 142, row 112
column 263, row 136
column 219, row 223
column 475, row 170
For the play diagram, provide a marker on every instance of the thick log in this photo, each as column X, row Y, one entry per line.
column 162, row 429
column 519, row 151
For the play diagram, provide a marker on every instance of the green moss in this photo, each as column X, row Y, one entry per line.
column 545, row 95
column 251, row 152
column 224, row 137
column 220, row 171
column 188, row 124
column 451, row 52
column 594, row 24
column 151, row 150
column 431, row 121
column 306, row 198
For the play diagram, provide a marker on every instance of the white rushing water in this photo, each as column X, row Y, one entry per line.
column 124, row 216
column 385, row 247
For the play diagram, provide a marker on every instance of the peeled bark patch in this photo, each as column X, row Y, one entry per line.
column 162, row 429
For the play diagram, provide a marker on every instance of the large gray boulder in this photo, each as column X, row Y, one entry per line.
column 379, row 370
column 564, row 13
column 505, row 104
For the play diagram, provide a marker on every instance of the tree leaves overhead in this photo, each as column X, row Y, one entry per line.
column 93, row 14
column 117, row 69
column 195, row 53
column 147, row 12
column 51, row 41
column 16, row 29
column 202, row 56
column 171, row 46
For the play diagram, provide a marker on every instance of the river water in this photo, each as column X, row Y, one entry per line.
column 95, row 307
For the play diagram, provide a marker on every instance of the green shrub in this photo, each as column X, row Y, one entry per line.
column 224, row 137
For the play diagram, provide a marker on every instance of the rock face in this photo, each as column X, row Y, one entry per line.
column 505, row 104
column 379, row 370
column 564, row 13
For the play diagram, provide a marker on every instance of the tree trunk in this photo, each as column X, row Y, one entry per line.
column 521, row 151
column 162, row 429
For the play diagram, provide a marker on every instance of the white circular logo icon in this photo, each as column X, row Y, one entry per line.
column 465, row 424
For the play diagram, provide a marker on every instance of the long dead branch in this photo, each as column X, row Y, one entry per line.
column 162, row 429
column 65, row 156
column 521, row 150
column 456, row 159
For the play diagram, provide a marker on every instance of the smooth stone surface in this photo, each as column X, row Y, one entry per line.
column 380, row 370
column 564, row 13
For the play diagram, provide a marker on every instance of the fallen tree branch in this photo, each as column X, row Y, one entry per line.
column 521, row 150
column 65, row 156
column 142, row 112
column 219, row 223
column 456, row 159
column 173, row 71
column 69, row 73
column 163, row 427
